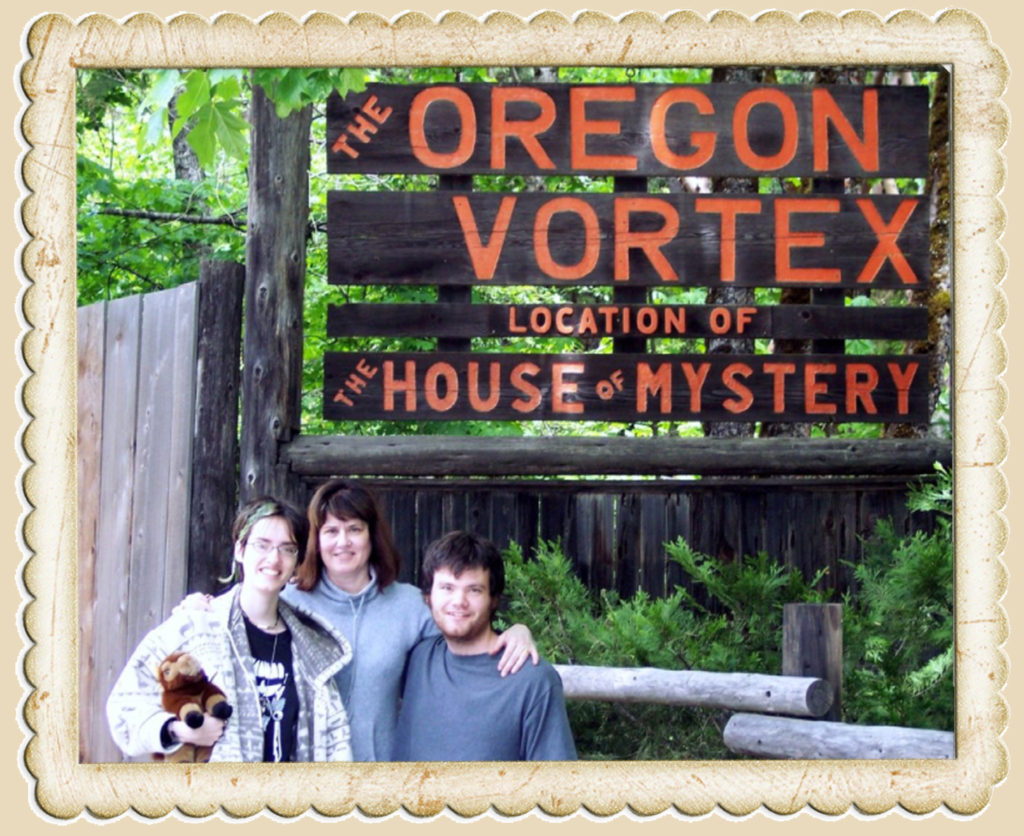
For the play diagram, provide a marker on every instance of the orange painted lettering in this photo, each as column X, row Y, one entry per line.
column 494, row 391
column 436, row 373
column 519, row 381
column 741, row 116
column 417, row 127
column 588, row 322
column 825, row 111
column 813, row 387
column 591, row 232
column 563, row 321
column 728, row 208
column 484, row 257
column 525, row 131
column 540, row 320
column 887, row 234
column 581, row 127
column 778, row 371
column 695, row 379
column 393, row 385
column 675, row 320
column 649, row 242
column 513, row 326
column 653, row 383
column 560, row 388
column 903, row 378
column 745, row 396
column 786, row 240
column 702, row 141
column 861, row 381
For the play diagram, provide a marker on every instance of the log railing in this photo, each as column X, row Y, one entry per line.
column 757, row 729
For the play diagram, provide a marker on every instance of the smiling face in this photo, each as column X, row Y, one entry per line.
column 345, row 548
column 462, row 608
column 268, row 555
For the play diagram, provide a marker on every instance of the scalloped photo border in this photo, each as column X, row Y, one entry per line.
column 65, row 789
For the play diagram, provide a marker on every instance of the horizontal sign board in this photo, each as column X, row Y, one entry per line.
column 639, row 129
column 616, row 320
column 627, row 239
column 624, row 387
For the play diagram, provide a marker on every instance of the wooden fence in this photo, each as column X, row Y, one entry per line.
column 613, row 531
column 155, row 479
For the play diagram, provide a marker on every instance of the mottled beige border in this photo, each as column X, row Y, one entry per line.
column 64, row 789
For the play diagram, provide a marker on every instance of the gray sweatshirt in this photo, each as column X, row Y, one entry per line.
column 382, row 627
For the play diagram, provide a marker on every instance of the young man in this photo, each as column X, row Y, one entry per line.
column 455, row 704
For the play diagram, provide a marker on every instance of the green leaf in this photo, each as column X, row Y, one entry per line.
column 202, row 136
column 195, row 95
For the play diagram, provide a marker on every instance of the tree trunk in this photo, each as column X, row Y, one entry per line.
column 186, row 163
column 274, row 282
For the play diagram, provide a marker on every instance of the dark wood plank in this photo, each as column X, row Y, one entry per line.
column 369, row 131
column 578, row 387
column 215, row 442
column 613, row 320
column 810, row 240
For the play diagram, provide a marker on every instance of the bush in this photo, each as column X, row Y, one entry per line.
column 898, row 633
column 898, row 627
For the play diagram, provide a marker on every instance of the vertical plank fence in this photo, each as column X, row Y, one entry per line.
column 137, row 430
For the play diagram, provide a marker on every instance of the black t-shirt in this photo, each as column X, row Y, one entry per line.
column 275, row 684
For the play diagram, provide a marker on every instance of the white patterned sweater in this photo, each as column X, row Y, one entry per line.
column 216, row 637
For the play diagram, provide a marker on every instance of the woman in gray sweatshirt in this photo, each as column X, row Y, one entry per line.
column 349, row 578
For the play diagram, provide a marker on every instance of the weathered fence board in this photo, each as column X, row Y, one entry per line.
column 91, row 332
column 110, row 638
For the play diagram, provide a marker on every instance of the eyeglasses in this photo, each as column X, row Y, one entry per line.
column 266, row 547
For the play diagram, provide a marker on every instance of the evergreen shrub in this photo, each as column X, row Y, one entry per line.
column 898, row 633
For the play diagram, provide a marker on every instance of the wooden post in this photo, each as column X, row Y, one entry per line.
column 215, row 430
column 812, row 645
column 275, row 255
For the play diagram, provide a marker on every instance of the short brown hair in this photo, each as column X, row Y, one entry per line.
column 346, row 500
column 457, row 551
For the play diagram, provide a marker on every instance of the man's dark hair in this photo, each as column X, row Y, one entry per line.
column 457, row 551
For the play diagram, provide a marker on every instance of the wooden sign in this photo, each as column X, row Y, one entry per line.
column 627, row 239
column 624, row 387
column 616, row 320
column 639, row 130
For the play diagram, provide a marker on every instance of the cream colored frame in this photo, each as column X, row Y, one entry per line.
column 64, row 788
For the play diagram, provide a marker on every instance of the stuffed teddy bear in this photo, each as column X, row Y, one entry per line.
column 187, row 694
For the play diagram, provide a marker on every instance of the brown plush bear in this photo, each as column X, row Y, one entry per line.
column 187, row 694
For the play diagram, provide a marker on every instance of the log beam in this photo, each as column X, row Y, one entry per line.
column 317, row 456
column 784, row 737
column 803, row 696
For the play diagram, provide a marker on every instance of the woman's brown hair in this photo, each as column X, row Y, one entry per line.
column 346, row 500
